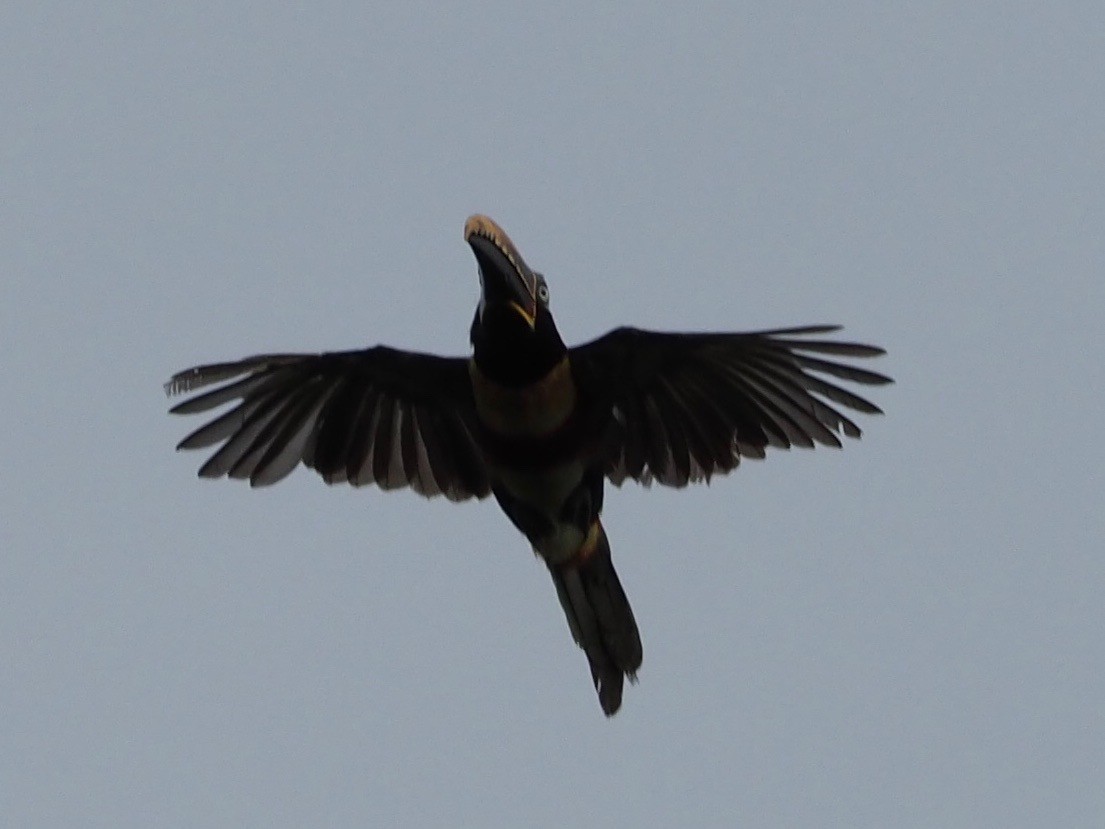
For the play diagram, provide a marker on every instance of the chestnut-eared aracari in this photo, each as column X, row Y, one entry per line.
column 536, row 424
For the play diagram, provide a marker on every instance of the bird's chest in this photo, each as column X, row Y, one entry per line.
column 536, row 449
column 531, row 412
column 533, row 433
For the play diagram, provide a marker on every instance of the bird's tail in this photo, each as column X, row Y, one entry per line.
column 600, row 617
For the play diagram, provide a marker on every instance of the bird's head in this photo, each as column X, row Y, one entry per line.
column 512, row 318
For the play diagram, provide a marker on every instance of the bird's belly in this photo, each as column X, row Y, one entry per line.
column 545, row 491
column 561, row 545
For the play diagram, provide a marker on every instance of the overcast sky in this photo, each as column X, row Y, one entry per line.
column 905, row 633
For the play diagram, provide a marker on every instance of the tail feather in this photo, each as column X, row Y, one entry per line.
column 601, row 620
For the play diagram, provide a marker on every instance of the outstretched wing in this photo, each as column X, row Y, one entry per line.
column 381, row 415
column 688, row 406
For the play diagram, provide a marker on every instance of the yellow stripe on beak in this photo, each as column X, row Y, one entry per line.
column 530, row 319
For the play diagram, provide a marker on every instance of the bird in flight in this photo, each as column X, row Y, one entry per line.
column 536, row 424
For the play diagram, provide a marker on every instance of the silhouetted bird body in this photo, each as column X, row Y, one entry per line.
column 536, row 424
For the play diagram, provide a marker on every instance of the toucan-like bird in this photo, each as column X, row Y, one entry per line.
column 536, row 424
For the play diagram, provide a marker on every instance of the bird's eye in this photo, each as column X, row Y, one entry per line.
column 543, row 293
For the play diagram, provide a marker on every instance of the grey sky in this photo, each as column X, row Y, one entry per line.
column 905, row 633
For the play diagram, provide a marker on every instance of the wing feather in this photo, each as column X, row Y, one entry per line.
column 684, row 407
column 379, row 415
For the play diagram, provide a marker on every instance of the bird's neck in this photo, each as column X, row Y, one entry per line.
column 510, row 354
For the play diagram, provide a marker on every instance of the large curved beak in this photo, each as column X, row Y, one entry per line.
column 505, row 278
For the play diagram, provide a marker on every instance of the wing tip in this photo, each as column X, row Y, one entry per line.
column 177, row 384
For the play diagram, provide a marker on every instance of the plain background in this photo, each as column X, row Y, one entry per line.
column 905, row 633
